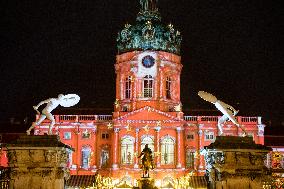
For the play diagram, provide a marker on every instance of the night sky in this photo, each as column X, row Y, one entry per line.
column 232, row 49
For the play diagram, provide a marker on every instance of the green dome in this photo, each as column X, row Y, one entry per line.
column 149, row 33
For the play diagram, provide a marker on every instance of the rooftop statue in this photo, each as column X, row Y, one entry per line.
column 147, row 160
column 148, row 5
column 228, row 111
column 52, row 103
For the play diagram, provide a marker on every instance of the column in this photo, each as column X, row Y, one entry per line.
column 115, row 146
column 200, row 145
column 178, row 147
column 136, row 166
column 134, row 97
column 158, row 162
column 95, row 153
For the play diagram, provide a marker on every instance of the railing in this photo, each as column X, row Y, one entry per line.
column 82, row 118
column 190, row 118
column 215, row 119
column 4, row 184
column 209, row 118
column 249, row 119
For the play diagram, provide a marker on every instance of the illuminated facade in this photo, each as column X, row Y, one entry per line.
column 147, row 110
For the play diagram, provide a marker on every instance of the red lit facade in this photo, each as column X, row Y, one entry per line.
column 147, row 110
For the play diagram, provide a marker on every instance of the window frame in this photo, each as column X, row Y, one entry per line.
column 168, row 87
column 69, row 134
column 127, row 87
column 211, row 136
column 148, row 86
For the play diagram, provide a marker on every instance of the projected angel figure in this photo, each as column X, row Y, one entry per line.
column 228, row 111
column 52, row 103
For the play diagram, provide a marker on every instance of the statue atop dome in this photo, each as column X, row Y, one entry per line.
column 148, row 5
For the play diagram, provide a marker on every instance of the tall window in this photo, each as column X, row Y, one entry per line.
column 69, row 156
column 189, row 159
column 168, row 88
column 86, row 156
column 148, row 86
column 147, row 140
column 104, row 158
column 127, row 150
column 128, row 87
column 167, row 150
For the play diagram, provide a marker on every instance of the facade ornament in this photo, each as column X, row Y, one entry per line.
column 52, row 103
column 228, row 111
column 137, row 130
column 109, row 125
column 178, row 108
column 116, row 130
column 148, row 31
column 146, row 128
column 128, row 128
column 158, row 128
column 178, row 129
column 116, row 103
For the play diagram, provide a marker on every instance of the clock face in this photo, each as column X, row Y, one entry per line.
column 148, row 61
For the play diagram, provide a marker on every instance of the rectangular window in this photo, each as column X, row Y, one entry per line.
column 168, row 88
column 190, row 137
column 209, row 136
column 105, row 136
column 86, row 154
column 128, row 87
column 148, row 87
column 67, row 135
column 189, row 159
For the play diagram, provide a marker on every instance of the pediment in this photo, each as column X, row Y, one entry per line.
column 147, row 113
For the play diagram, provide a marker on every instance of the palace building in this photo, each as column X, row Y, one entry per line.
column 147, row 110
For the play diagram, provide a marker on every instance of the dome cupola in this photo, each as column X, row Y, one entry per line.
column 149, row 33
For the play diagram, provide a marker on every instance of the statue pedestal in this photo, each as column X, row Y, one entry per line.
column 236, row 162
column 148, row 183
column 37, row 162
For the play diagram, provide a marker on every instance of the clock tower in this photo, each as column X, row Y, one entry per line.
column 148, row 64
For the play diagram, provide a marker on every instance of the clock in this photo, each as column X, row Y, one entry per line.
column 148, row 61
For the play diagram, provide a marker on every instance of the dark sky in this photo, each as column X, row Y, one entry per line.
column 232, row 49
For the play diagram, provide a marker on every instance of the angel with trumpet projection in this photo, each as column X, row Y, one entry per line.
column 228, row 111
column 52, row 103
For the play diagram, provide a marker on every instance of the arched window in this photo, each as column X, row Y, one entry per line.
column 147, row 140
column 168, row 88
column 148, row 86
column 86, row 156
column 167, row 150
column 128, row 87
column 127, row 150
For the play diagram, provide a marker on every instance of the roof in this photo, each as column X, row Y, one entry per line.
column 81, row 180
column 197, row 182
column 36, row 141
column 236, row 142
